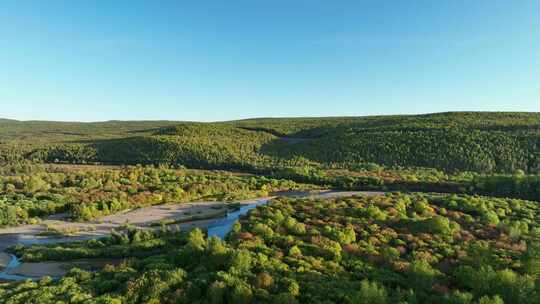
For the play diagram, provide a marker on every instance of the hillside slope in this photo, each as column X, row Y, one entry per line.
column 464, row 141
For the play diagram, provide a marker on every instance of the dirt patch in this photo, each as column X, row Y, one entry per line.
column 139, row 217
column 4, row 260
column 52, row 269
column 57, row 269
column 145, row 216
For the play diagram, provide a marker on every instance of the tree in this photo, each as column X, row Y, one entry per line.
column 35, row 184
column 216, row 292
column 531, row 259
column 295, row 251
column 241, row 294
column 240, row 261
column 371, row 293
column 264, row 280
column 421, row 275
column 196, row 240
column 487, row 300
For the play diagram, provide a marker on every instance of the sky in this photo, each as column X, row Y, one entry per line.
column 222, row 60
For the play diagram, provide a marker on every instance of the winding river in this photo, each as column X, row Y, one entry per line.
column 219, row 227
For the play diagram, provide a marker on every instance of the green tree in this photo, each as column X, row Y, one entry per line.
column 196, row 240
column 371, row 293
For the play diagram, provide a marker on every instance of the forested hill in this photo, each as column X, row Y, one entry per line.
column 464, row 141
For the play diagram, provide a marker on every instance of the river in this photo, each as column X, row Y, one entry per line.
column 28, row 235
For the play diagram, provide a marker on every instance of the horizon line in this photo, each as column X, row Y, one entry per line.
column 259, row 118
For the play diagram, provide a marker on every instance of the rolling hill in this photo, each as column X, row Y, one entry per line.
column 455, row 141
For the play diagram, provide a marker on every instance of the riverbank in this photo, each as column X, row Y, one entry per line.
column 142, row 217
column 4, row 260
column 58, row 269
column 213, row 216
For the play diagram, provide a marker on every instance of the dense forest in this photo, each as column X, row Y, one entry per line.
column 29, row 192
column 27, row 197
column 468, row 141
column 388, row 249
column 456, row 219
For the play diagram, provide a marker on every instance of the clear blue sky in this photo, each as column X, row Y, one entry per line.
column 221, row 60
